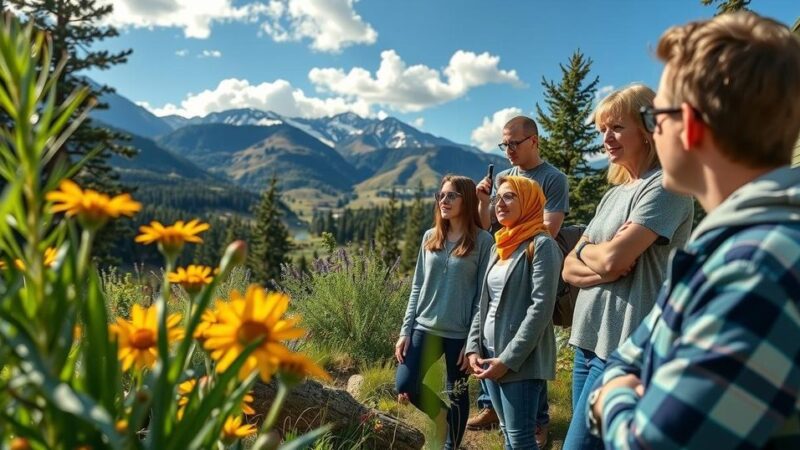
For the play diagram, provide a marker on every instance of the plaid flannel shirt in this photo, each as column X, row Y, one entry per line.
column 719, row 355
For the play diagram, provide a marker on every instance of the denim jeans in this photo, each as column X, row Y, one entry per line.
column 588, row 368
column 425, row 349
column 542, row 416
column 517, row 403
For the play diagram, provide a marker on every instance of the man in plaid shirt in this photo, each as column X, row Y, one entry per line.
column 716, row 364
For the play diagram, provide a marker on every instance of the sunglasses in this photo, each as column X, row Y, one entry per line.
column 450, row 197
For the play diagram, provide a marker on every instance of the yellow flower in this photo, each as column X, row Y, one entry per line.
column 242, row 321
column 171, row 238
column 233, row 429
column 138, row 338
column 92, row 208
column 192, row 278
column 184, row 391
column 247, row 404
column 301, row 366
column 208, row 318
column 121, row 426
column 50, row 254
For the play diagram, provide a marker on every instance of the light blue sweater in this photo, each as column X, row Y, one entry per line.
column 446, row 289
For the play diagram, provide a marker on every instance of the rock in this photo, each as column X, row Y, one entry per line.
column 311, row 405
column 354, row 384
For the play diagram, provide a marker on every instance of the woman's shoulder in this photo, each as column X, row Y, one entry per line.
column 545, row 244
column 484, row 238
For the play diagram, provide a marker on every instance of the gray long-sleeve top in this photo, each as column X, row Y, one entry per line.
column 446, row 289
column 524, row 339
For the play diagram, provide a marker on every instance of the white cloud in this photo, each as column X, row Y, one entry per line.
column 602, row 93
column 382, row 115
column 414, row 88
column 182, row 52
column 419, row 122
column 490, row 132
column 331, row 25
column 193, row 16
column 210, row 54
column 278, row 96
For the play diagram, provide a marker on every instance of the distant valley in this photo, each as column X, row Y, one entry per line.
column 331, row 162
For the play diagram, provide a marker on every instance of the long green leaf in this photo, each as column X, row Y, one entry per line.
column 61, row 395
column 306, row 440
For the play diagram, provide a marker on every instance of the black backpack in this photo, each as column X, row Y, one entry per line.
column 567, row 294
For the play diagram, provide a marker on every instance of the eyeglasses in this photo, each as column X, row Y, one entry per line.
column 507, row 197
column 449, row 196
column 512, row 145
column 649, row 114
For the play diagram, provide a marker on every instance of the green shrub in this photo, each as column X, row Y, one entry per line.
column 352, row 302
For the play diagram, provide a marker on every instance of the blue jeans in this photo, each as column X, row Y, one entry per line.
column 424, row 351
column 542, row 416
column 516, row 404
column 588, row 368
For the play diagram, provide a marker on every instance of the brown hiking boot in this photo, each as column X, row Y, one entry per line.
column 541, row 436
column 486, row 419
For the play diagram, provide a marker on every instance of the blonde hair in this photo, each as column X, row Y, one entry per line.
column 626, row 102
column 741, row 73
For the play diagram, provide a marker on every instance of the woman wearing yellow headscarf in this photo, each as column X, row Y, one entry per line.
column 511, row 342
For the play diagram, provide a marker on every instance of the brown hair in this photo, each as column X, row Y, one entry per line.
column 626, row 102
column 741, row 72
column 527, row 124
column 469, row 214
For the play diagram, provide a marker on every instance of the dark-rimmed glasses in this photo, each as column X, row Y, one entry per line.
column 507, row 198
column 649, row 114
column 450, row 197
column 512, row 145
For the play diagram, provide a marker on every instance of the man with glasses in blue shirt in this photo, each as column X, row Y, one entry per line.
column 521, row 146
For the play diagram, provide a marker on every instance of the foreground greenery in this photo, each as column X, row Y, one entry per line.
column 170, row 371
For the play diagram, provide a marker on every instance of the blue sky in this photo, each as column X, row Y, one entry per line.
column 475, row 60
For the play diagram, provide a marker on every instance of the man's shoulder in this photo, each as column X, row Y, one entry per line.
column 553, row 169
column 770, row 248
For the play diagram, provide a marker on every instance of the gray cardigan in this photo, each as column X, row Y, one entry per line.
column 524, row 337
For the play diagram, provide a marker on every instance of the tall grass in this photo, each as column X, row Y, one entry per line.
column 351, row 301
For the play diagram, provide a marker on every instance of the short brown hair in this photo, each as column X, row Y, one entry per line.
column 527, row 124
column 741, row 72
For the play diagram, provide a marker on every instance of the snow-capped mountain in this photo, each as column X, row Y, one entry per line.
column 348, row 133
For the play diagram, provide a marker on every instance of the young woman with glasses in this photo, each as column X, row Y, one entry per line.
column 444, row 296
column 621, row 261
column 511, row 341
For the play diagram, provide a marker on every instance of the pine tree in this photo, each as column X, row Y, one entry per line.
column 418, row 222
column 568, row 138
column 386, row 233
column 726, row 6
column 270, row 242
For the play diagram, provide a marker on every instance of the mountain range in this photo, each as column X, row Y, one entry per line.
column 320, row 163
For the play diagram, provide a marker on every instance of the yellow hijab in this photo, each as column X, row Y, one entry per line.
column 531, row 221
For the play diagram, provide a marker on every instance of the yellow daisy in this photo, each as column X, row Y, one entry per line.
column 50, row 254
column 171, row 238
column 138, row 338
column 92, row 208
column 247, row 404
column 233, row 429
column 301, row 366
column 192, row 278
column 208, row 318
column 243, row 320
